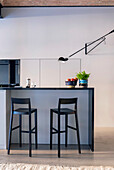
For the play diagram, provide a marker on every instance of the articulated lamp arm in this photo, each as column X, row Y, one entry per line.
column 87, row 45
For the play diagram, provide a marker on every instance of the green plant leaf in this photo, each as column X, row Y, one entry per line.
column 83, row 75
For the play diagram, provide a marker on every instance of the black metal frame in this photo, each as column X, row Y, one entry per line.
column 63, row 101
column 27, row 102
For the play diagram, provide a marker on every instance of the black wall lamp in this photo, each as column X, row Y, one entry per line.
column 100, row 40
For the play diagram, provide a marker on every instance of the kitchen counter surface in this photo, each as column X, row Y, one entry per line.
column 46, row 88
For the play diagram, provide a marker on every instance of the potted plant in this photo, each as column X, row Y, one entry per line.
column 83, row 78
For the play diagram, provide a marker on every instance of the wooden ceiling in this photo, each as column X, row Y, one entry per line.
column 57, row 3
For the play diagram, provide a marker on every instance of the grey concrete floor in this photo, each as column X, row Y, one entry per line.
column 102, row 156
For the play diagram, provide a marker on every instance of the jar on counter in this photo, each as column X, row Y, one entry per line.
column 28, row 83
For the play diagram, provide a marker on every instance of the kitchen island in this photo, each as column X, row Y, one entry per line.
column 44, row 99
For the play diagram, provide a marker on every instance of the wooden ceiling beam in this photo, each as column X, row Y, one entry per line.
column 57, row 3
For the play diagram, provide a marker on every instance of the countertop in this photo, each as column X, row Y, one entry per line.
column 46, row 88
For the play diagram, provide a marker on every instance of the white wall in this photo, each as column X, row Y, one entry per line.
column 48, row 72
column 32, row 33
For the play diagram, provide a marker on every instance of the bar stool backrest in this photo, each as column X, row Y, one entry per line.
column 25, row 101
column 67, row 101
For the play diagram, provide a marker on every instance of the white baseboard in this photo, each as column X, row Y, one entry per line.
column 2, row 147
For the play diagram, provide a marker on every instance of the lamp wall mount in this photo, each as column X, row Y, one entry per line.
column 88, row 44
column 100, row 40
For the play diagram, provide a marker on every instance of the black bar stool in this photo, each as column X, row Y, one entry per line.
column 22, row 111
column 64, row 111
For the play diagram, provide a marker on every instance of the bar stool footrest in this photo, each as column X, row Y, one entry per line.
column 71, row 127
column 24, row 131
column 15, row 127
column 56, row 131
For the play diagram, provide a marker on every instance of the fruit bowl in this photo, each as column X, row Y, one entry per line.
column 71, row 83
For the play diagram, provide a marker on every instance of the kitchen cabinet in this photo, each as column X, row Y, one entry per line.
column 29, row 69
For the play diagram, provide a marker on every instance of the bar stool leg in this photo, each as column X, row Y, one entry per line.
column 30, row 135
column 20, row 128
column 10, row 133
column 36, row 129
column 66, row 123
column 59, row 135
column 78, row 136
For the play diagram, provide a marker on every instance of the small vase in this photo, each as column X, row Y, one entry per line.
column 83, row 83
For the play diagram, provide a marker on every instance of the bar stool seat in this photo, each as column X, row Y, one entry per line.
column 22, row 111
column 63, row 111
